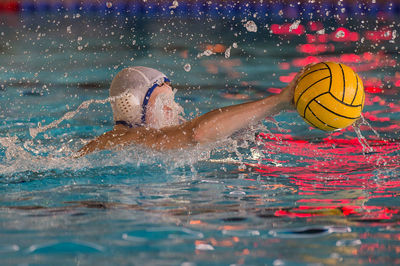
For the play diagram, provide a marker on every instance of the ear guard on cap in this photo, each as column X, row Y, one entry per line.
column 128, row 108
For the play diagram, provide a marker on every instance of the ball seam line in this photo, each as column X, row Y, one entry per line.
column 305, row 109
column 311, row 73
column 297, row 103
column 355, row 94
column 349, row 105
column 310, row 121
column 344, row 83
column 336, row 113
column 326, row 124
column 330, row 74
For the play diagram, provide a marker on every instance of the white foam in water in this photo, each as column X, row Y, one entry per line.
column 19, row 159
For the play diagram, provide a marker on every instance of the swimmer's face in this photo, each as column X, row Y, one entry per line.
column 162, row 110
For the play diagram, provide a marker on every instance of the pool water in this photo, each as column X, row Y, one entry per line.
column 278, row 193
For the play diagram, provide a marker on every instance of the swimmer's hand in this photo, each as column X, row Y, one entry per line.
column 287, row 94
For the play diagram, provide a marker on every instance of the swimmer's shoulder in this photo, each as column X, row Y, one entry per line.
column 168, row 138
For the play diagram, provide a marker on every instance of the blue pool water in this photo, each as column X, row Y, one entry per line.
column 279, row 193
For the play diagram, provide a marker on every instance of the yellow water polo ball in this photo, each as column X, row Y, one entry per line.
column 329, row 96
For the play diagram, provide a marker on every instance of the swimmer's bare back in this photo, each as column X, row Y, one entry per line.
column 208, row 128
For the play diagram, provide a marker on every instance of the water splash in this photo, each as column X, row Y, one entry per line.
column 69, row 115
column 363, row 121
column 363, row 141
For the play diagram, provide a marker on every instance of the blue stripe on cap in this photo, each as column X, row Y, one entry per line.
column 147, row 98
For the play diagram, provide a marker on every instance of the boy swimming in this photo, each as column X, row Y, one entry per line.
column 145, row 113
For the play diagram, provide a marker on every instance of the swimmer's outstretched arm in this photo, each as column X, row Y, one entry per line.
column 223, row 122
column 210, row 127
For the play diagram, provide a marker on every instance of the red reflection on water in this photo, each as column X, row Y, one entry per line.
column 322, row 38
column 344, row 35
column 372, row 82
column 365, row 62
column 287, row 79
column 334, row 176
column 339, row 35
column 315, row 48
column 287, row 29
column 284, row 66
column 383, row 34
column 373, row 89
column 315, row 25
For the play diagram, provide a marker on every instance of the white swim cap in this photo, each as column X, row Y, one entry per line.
column 133, row 86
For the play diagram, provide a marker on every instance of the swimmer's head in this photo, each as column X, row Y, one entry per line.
column 162, row 110
column 143, row 97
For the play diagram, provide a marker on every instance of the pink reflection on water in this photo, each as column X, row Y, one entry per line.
column 335, row 176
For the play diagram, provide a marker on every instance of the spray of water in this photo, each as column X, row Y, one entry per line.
column 35, row 131
column 361, row 139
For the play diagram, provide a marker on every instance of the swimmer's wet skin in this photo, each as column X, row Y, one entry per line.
column 137, row 89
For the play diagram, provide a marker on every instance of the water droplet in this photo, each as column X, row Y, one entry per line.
column 205, row 53
column 175, row 4
column 133, row 42
column 237, row 192
column 339, row 34
column 228, row 52
column 251, row 26
column 294, row 26
column 234, row 45
column 187, row 67
column 108, row 4
column 204, row 247
column 348, row 242
column 208, row 52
